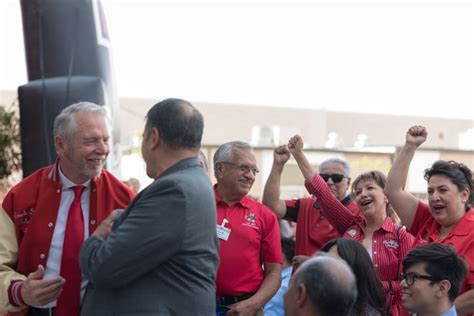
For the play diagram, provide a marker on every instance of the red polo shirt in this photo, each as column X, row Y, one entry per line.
column 254, row 239
column 461, row 237
column 313, row 230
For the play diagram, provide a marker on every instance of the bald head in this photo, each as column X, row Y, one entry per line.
column 336, row 269
column 329, row 285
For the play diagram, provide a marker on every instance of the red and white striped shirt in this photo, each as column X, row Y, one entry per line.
column 390, row 243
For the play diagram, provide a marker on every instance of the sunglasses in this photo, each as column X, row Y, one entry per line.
column 335, row 177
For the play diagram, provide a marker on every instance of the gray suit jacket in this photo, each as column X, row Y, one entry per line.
column 161, row 257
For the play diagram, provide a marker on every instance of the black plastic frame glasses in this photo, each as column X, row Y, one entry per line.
column 411, row 278
column 243, row 168
column 336, row 177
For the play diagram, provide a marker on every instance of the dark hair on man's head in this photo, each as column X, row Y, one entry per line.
column 369, row 288
column 330, row 283
column 459, row 174
column 179, row 123
column 288, row 248
column 442, row 263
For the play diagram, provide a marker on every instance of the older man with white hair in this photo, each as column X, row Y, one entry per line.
column 47, row 216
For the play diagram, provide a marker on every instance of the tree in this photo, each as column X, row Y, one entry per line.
column 10, row 150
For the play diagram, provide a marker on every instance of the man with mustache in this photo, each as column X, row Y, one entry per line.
column 48, row 215
column 248, row 235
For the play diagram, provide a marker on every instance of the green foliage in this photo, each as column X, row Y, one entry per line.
column 10, row 152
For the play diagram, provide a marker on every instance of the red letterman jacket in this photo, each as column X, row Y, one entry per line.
column 31, row 209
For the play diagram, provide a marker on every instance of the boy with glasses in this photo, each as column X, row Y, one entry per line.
column 432, row 276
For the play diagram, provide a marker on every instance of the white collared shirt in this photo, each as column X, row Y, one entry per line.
column 53, row 264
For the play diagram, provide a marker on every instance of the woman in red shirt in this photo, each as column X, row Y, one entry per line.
column 448, row 217
column 386, row 242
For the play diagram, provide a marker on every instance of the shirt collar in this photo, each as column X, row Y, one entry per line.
column 67, row 184
column 450, row 312
column 245, row 201
column 388, row 225
column 464, row 225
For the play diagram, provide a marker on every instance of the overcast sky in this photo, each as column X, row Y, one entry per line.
column 401, row 57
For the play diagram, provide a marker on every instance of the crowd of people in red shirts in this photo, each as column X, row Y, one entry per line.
column 387, row 241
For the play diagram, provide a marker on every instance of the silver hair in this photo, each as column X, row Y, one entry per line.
column 331, row 161
column 65, row 124
column 224, row 152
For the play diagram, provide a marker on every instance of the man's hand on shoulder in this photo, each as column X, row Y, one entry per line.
column 36, row 291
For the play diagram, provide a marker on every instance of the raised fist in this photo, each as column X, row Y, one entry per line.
column 416, row 135
column 281, row 155
column 295, row 144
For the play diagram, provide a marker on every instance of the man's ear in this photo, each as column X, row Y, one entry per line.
column 443, row 288
column 349, row 182
column 219, row 170
column 60, row 145
column 154, row 137
column 301, row 295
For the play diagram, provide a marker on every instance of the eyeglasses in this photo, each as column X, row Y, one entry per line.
column 411, row 278
column 243, row 168
column 336, row 178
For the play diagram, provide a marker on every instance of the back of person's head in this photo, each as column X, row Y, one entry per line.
column 369, row 288
column 458, row 173
column 178, row 122
column 381, row 180
column 330, row 284
column 65, row 124
column 331, row 161
column 441, row 263
column 288, row 249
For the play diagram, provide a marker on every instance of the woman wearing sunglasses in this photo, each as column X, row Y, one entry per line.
column 386, row 242
column 448, row 217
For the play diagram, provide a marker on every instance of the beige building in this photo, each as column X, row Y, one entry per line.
column 366, row 141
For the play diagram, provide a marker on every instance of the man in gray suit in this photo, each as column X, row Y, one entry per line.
column 160, row 257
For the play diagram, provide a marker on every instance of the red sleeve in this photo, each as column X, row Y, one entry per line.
column 337, row 214
column 14, row 293
column 292, row 210
column 271, row 243
column 422, row 215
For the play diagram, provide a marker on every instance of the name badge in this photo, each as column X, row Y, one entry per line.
column 222, row 231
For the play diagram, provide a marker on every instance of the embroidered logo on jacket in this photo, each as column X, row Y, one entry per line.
column 352, row 233
column 390, row 243
column 24, row 218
